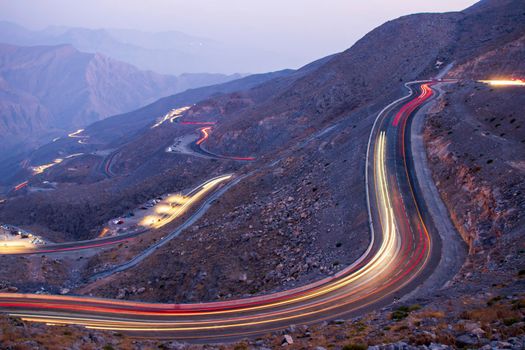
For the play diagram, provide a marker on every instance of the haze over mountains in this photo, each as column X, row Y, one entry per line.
column 267, row 118
column 269, row 115
column 169, row 52
column 297, row 143
column 49, row 90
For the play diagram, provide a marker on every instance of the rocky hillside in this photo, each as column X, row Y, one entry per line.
column 278, row 114
column 272, row 119
column 302, row 214
column 475, row 145
column 48, row 90
column 492, row 324
column 405, row 49
column 504, row 61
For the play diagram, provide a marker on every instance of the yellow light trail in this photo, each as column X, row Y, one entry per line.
column 15, row 246
column 39, row 169
column 171, row 116
column 372, row 273
column 103, row 233
column 360, row 285
column 179, row 204
column 75, row 134
column 504, row 82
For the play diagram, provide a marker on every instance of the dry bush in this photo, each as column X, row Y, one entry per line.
column 491, row 313
column 430, row 314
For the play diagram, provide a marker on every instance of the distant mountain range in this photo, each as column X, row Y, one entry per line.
column 48, row 90
column 168, row 52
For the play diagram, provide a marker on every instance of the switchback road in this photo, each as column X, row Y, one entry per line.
column 403, row 252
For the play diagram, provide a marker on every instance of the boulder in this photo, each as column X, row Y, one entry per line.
column 287, row 340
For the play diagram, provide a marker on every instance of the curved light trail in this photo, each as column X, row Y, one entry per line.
column 107, row 164
column 205, row 134
column 181, row 204
column 190, row 199
column 171, row 116
column 39, row 169
column 402, row 253
column 76, row 135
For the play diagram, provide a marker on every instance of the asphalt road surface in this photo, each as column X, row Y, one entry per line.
column 197, row 146
column 194, row 196
column 403, row 252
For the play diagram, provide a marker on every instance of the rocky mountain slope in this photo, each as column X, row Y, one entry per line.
column 402, row 50
column 302, row 214
column 47, row 90
column 263, row 122
column 276, row 114
column 120, row 129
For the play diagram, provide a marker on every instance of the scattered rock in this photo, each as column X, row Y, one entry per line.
column 121, row 293
column 466, row 340
column 477, row 332
column 287, row 340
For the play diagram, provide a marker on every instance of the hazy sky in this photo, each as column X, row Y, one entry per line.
column 301, row 29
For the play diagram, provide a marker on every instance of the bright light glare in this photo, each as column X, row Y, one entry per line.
column 162, row 209
column 504, row 82
column 39, row 169
column 172, row 115
column 75, row 134
column 176, row 205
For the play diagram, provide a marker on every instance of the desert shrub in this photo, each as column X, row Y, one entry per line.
column 518, row 304
column 421, row 339
column 492, row 313
column 403, row 311
column 399, row 314
column 355, row 347
column 240, row 346
column 510, row 321
column 431, row 314
column 494, row 300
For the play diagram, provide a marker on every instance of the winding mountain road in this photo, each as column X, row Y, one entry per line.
column 404, row 250
column 210, row 188
column 197, row 146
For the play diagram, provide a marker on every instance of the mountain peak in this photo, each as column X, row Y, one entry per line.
column 485, row 5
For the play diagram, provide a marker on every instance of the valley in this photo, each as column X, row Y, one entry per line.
column 370, row 199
